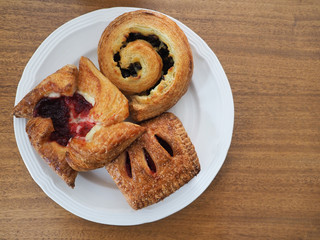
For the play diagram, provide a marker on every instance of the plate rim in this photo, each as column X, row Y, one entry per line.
column 48, row 187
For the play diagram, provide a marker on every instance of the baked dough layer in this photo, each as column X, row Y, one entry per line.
column 161, row 161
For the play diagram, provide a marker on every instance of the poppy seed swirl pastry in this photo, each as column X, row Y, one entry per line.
column 158, row 163
column 76, row 120
column 148, row 57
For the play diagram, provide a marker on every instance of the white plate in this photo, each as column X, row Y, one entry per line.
column 206, row 112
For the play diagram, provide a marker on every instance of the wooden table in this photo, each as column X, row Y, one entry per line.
column 269, row 185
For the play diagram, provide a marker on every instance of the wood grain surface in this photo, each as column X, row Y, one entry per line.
column 269, row 186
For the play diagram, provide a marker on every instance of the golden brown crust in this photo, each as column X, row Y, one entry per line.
column 63, row 82
column 172, row 169
column 110, row 106
column 103, row 145
column 173, row 85
column 39, row 130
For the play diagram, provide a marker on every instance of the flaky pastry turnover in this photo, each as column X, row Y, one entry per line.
column 158, row 163
column 147, row 56
column 76, row 120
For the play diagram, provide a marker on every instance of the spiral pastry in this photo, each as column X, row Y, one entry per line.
column 147, row 56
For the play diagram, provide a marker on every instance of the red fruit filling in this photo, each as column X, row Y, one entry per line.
column 128, row 165
column 69, row 116
column 149, row 161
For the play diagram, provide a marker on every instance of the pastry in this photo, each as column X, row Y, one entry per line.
column 40, row 130
column 70, row 111
column 161, row 161
column 147, row 56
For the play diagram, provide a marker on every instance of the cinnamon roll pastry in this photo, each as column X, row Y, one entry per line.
column 147, row 56
column 76, row 120
column 161, row 161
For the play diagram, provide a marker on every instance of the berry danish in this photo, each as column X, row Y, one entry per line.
column 147, row 56
column 76, row 120
column 161, row 161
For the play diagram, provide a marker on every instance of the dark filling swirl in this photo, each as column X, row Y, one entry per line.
column 160, row 47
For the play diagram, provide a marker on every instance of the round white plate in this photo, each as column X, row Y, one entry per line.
column 206, row 112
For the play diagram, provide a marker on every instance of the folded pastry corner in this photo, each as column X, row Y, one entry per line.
column 161, row 161
column 109, row 104
column 101, row 145
column 39, row 131
column 62, row 82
